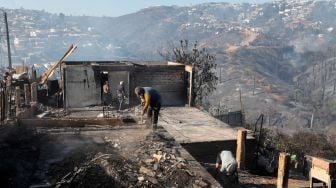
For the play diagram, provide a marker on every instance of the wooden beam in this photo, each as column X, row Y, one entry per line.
column 240, row 153
column 27, row 94
column 283, row 170
column 17, row 99
column 50, row 71
column 327, row 165
column 33, row 92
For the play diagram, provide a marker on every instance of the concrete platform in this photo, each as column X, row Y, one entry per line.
column 190, row 125
column 202, row 135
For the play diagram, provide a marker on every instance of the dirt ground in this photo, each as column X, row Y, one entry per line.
column 130, row 156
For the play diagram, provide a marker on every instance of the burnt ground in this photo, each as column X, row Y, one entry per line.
column 119, row 157
column 129, row 156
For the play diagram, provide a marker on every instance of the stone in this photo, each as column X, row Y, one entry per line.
column 201, row 183
column 180, row 159
column 196, row 186
column 156, row 166
column 144, row 170
column 141, row 178
column 181, row 165
column 153, row 180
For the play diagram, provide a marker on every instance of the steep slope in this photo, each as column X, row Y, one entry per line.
column 262, row 42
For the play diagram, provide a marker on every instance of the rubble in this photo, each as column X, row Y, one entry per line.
column 155, row 163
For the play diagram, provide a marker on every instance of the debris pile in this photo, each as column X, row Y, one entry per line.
column 162, row 166
column 155, row 163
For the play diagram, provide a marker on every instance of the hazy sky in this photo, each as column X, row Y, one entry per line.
column 102, row 7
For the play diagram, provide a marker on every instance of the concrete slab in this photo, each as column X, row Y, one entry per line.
column 190, row 125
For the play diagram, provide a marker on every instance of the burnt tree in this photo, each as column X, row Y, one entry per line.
column 203, row 64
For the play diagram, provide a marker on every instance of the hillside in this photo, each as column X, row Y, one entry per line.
column 260, row 48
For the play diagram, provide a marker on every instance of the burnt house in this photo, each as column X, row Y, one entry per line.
column 83, row 81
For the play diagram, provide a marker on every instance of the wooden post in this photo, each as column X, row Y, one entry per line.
column 220, row 74
column 27, row 94
column 3, row 102
column 33, row 92
column 191, row 95
column 240, row 153
column 33, row 77
column 283, row 170
column 17, row 99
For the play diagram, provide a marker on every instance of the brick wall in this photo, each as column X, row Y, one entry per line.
column 168, row 80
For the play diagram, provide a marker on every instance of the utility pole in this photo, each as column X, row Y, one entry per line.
column 220, row 74
column 8, row 43
column 254, row 85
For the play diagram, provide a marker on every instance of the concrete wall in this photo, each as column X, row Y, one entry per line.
column 82, row 88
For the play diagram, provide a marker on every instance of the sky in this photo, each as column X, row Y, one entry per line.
column 111, row 8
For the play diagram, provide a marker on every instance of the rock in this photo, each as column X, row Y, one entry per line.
column 196, row 186
column 141, row 178
column 190, row 173
column 180, row 165
column 153, row 180
column 144, row 170
column 156, row 166
column 180, row 159
column 200, row 183
column 164, row 157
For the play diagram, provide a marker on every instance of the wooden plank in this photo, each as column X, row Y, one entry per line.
column 240, row 153
column 54, row 122
column 50, row 71
column 17, row 99
column 33, row 92
column 327, row 165
column 319, row 174
column 283, row 170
